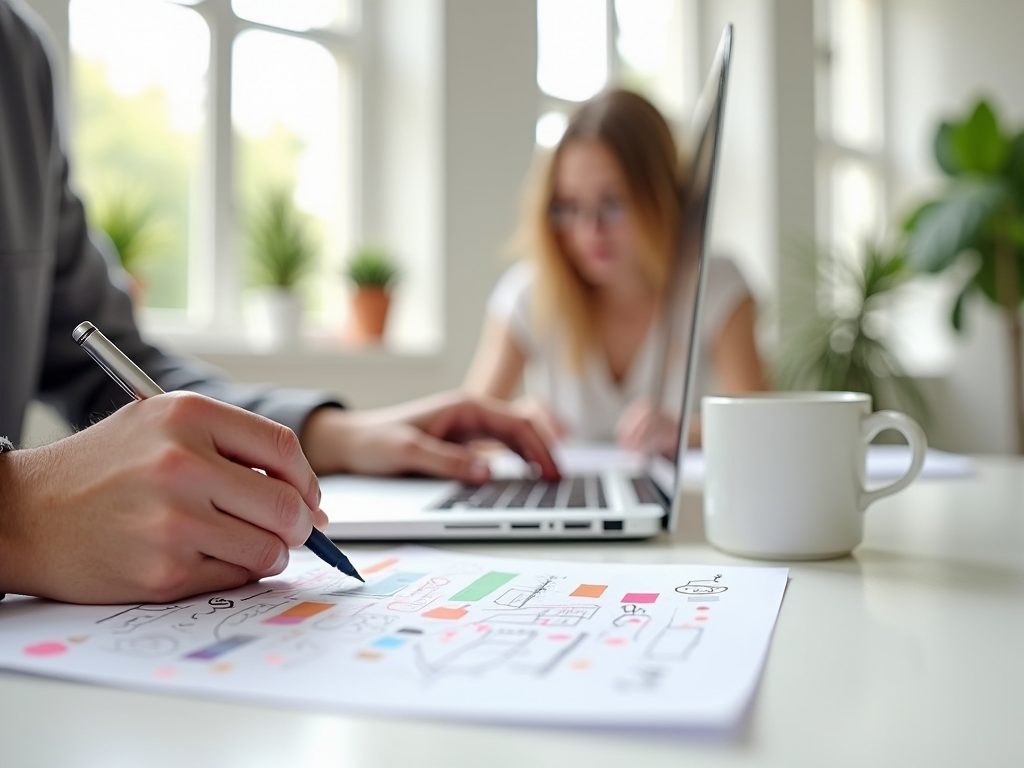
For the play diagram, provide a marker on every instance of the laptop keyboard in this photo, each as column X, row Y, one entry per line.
column 568, row 493
column 647, row 492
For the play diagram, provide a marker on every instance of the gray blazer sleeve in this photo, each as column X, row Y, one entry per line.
column 76, row 284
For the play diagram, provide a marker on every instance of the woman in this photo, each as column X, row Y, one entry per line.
column 581, row 315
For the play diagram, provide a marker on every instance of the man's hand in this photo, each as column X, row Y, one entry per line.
column 425, row 436
column 154, row 503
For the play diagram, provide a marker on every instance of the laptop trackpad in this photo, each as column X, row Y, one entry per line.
column 353, row 497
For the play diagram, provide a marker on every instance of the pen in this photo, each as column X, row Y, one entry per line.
column 136, row 383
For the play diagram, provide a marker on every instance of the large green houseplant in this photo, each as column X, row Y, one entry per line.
column 979, row 215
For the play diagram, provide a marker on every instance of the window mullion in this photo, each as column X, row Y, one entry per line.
column 215, row 277
column 612, row 44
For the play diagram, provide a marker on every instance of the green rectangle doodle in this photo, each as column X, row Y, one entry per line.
column 482, row 587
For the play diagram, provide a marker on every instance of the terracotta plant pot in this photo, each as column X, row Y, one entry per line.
column 370, row 313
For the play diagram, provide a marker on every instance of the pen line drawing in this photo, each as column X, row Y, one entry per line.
column 675, row 642
column 702, row 587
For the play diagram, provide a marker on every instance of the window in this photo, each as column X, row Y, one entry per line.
column 188, row 113
column 849, row 124
column 584, row 46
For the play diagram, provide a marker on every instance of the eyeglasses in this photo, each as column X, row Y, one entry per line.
column 607, row 214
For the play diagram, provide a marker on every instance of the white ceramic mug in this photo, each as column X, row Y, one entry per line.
column 784, row 473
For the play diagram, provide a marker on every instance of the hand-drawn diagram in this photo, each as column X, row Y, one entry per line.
column 359, row 625
column 517, row 597
column 419, row 598
column 427, row 628
column 472, row 650
column 147, row 646
column 642, row 678
column 675, row 642
column 628, row 626
column 386, row 587
column 547, row 615
column 131, row 619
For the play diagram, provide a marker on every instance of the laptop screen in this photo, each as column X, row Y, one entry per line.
column 690, row 275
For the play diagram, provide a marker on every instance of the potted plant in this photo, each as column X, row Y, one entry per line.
column 841, row 343
column 373, row 273
column 979, row 215
column 132, row 223
column 281, row 251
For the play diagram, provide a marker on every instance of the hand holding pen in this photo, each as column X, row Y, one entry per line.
column 288, row 478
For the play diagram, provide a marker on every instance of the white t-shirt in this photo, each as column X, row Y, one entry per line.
column 589, row 404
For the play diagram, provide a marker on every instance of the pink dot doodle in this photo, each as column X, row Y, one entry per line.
column 45, row 649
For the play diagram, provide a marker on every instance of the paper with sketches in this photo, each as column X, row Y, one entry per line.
column 439, row 635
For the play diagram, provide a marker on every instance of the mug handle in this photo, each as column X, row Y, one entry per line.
column 879, row 421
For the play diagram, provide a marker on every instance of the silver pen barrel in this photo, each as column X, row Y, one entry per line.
column 132, row 379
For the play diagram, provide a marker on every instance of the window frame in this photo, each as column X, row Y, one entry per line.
column 831, row 152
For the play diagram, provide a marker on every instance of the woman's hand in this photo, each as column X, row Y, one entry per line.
column 642, row 427
column 428, row 436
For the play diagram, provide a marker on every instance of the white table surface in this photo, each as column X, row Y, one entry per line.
column 910, row 652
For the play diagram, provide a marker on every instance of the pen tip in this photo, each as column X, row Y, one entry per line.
column 359, row 577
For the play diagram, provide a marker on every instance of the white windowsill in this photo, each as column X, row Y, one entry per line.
column 313, row 348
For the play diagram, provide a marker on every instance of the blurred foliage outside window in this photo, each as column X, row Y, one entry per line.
column 126, row 145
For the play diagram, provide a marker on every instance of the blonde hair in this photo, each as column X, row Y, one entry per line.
column 643, row 145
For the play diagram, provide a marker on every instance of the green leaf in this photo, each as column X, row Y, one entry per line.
column 945, row 151
column 956, row 317
column 978, row 145
column 372, row 267
column 132, row 221
column 911, row 221
column 281, row 245
column 989, row 278
column 1015, row 231
column 953, row 224
column 1015, row 164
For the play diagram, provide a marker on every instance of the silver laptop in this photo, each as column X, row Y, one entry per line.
column 634, row 498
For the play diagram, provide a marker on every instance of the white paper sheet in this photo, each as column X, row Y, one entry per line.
column 884, row 462
column 439, row 635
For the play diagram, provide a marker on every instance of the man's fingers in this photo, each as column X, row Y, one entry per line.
column 211, row 575
column 169, row 578
column 264, row 501
column 249, row 440
column 242, row 545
